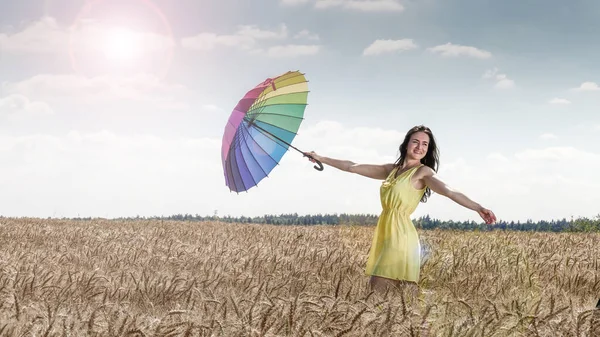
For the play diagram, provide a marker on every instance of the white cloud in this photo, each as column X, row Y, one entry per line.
column 294, row 2
column 376, row 141
column 306, row 34
column 211, row 107
column 20, row 107
column 587, row 86
column 542, row 177
column 388, row 46
column 502, row 81
column 88, row 37
column 497, row 157
column 362, row 5
column 210, row 41
column 558, row 154
column 127, row 179
column 491, row 73
column 260, row 34
column 95, row 36
column 43, row 36
column 537, row 184
column 254, row 41
column 548, row 136
column 101, row 89
column 108, row 174
column 453, row 50
column 245, row 38
column 292, row 50
column 560, row 101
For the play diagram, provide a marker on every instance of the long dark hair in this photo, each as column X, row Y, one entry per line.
column 431, row 159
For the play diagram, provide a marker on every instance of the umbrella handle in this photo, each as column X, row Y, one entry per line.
column 319, row 166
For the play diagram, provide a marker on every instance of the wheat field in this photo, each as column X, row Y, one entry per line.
column 167, row 278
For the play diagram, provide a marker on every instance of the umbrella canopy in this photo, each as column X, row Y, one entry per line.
column 260, row 129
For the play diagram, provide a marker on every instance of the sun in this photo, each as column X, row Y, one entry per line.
column 121, row 44
column 121, row 36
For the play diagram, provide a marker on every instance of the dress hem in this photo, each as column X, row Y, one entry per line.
column 392, row 279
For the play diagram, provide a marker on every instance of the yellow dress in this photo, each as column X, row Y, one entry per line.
column 396, row 251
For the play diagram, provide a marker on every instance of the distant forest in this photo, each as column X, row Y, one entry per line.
column 581, row 224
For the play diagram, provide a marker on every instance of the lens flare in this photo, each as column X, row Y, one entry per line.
column 114, row 36
column 121, row 44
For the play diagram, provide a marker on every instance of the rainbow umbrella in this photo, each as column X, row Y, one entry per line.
column 261, row 128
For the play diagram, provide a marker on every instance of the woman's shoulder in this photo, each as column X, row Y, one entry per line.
column 389, row 168
column 424, row 171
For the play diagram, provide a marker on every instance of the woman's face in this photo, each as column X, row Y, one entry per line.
column 417, row 145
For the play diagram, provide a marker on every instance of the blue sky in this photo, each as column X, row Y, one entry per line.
column 118, row 109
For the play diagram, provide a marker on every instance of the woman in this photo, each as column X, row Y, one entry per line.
column 394, row 258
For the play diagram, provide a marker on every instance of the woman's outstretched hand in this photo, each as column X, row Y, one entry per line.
column 312, row 156
column 487, row 215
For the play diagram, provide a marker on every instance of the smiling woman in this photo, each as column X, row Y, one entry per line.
column 111, row 36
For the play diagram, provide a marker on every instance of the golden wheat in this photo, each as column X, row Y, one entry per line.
column 168, row 278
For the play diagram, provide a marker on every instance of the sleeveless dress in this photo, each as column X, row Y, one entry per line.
column 395, row 251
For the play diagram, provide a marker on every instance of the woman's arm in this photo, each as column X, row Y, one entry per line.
column 439, row 187
column 368, row 170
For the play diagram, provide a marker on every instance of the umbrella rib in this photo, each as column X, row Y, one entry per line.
column 235, row 142
column 289, row 78
column 268, row 154
column 267, row 133
column 258, row 104
column 261, row 103
column 262, row 99
column 256, row 111
column 231, row 168
column 252, row 154
column 272, row 136
column 287, row 93
column 275, row 126
column 230, row 176
column 245, row 165
column 227, row 178
column 243, row 142
column 273, row 114
column 295, row 75
column 232, row 154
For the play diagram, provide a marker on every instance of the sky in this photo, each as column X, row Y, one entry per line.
column 117, row 108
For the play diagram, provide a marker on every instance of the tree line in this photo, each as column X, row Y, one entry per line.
column 581, row 224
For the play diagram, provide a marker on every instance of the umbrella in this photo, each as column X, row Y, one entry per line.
column 260, row 129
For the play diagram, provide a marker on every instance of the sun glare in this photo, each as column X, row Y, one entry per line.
column 120, row 36
column 121, row 44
